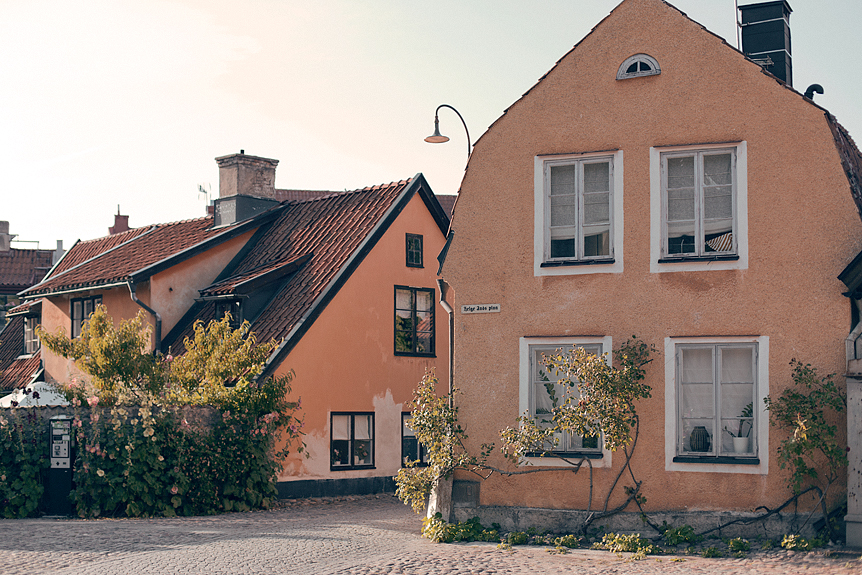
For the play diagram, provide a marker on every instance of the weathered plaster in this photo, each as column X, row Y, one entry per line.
column 346, row 362
column 803, row 228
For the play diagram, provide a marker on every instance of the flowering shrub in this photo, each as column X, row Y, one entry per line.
column 146, row 461
column 23, row 446
column 137, row 456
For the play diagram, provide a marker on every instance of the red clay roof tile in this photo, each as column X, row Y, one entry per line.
column 20, row 269
column 118, row 262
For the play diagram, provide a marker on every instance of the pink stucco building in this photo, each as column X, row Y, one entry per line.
column 656, row 182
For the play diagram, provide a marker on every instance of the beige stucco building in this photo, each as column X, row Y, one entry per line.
column 655, row 182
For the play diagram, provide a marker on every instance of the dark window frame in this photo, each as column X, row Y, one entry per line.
column 414, row 256
column 411, row 449
column 234, row 306
column 351, row 442
column 78, row 319
column 411, row 334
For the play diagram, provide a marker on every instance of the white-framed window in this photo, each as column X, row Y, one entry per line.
column 715, row 416
column 637, row 66
column 535, row 400
column 699, row 207
column 31, row 340
column 578, row 213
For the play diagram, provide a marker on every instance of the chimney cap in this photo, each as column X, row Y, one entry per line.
column 243, row 158
column 755, row 16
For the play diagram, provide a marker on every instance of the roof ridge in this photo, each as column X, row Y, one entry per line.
column 356, row 191
column 101, row 238
column 98, row 255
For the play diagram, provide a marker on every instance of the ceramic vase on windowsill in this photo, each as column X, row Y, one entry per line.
column 740, row 444
column 699, row 439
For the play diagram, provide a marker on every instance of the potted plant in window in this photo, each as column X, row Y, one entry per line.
column 740, row 441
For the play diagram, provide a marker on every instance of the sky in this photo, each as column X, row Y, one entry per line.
column 107, row 103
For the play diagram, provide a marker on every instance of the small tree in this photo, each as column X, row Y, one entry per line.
column 116, row 359
column 810, row 412
column 597, row 399
column 434, row 420
column 218, row 364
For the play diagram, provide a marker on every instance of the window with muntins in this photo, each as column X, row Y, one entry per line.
column 546, row 392
column 31, row 340
column 637, row 66
column 414, row 321
column 414, row 250
column 411, row 449
column 699, row 205
column 717, row 402
column 81, row 310
column 351, row 443
column 232, row 307
column 578, row 210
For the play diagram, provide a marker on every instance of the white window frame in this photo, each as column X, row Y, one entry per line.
column 659, row 261
column 525, row 346
column 622, row 73
column 541, row 212
column 672, row 405
column 31, row 340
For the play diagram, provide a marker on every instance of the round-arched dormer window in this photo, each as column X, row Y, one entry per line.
column 637, row 66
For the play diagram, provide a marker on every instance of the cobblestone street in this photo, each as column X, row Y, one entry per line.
column 362, row 535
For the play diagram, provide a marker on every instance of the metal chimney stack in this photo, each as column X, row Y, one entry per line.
column 766, row 37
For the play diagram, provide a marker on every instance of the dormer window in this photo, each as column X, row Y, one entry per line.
column 232, row 307
column 637, row 66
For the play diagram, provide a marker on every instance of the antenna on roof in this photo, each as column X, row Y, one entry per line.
column 205, row 190
column 738, row 25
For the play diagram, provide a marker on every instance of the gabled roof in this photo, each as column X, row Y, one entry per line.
column 138, row 254
column 316, row 244
column 851, row 159
column 20, row 269
column 16, row 370
column 25, row 308
column 85, row 250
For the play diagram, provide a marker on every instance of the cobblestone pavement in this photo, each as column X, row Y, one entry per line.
column 360, row 535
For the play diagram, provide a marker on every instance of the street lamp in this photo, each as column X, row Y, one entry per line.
column 438, row 138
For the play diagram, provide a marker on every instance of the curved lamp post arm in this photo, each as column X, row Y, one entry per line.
column 438, row 138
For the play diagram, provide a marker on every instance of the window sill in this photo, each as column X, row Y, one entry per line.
column 408, row 354
column 716, row 258
column 418, row 266
column 722, row 460
column 403, row 466
column 567, row 454
column 557, row 264
column 351, row 467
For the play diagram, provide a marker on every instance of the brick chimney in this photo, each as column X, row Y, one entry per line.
column 246, row 187
column 5, row 237
column 243, row 175
column 121, row 223
column 766, row 37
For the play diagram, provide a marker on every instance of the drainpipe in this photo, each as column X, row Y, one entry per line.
column 152, row 312
column 451, row 313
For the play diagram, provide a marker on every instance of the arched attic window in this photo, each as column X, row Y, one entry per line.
column 637, row 66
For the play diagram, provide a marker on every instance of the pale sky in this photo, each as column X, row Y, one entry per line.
column 107, row 102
